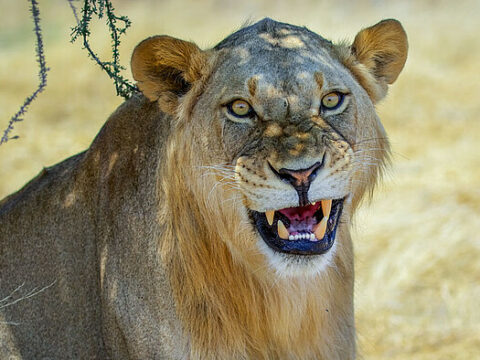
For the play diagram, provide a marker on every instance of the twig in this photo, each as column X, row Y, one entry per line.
column 6, row 302
column 74, row 10
column 42, row 74
column 100, row 8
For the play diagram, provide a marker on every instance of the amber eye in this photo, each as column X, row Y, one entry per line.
column 332, row 100
column 240, row 108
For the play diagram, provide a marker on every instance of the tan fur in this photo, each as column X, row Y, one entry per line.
column 146, row 235
column 273, row 130
column 252, row 86
column 377, row 56
column 159, row 70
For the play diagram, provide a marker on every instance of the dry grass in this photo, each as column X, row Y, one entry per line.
column 417, row 245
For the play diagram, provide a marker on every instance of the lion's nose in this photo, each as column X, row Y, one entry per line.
column 300, row 179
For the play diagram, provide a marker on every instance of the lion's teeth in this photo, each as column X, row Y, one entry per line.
column 282, row 230
column 312, row 237
column 270, row 214
column 326, row 207
column 321, row 228
column 291, row 237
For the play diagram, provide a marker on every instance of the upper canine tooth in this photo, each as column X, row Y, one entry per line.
column 270, row 214
column 326, row 207
column 282, row 230
column 321, row 228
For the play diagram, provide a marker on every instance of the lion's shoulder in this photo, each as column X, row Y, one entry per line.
column 42, row 184
column 118, row 151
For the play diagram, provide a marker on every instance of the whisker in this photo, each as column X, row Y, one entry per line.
column 360, row 158
column 366, row 163
column 371, row 139
column 357, row 151
column 216, row 173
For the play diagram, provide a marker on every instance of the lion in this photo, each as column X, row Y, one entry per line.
column 210, row 218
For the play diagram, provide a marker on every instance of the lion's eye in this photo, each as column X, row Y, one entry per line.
column 332, row 100
column 240, row 108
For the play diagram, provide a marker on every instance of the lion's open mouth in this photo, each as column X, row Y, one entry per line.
column 303, row 230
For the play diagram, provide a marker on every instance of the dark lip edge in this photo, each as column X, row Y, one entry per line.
column 302, row 247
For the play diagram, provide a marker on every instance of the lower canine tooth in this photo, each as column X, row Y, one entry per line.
column 321, row 228
column 282, row 230
column 270, row 214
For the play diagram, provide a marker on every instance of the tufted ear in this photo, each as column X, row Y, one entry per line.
column 165, row 67
column 377, row 56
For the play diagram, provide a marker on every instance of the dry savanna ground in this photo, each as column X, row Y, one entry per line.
column 418, row 242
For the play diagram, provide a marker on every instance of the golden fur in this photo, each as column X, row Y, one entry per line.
column 181, row 270
column 243, row 314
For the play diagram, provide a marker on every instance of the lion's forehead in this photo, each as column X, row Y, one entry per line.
column 276, row 64
column 284, row 67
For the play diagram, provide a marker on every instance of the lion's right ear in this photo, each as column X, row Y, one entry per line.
column 166, row 67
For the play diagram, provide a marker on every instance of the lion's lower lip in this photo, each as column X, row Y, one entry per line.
column 308, row 230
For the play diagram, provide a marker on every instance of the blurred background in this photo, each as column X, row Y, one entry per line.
column 417, row 244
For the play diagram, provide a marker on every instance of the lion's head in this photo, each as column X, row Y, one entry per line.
column 276, row 138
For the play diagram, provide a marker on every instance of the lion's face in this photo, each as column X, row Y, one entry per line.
column 292, row 137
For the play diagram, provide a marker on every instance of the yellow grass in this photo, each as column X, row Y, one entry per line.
column 418, row 244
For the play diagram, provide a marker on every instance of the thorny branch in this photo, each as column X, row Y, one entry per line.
column 102, row 8
column 42, row 74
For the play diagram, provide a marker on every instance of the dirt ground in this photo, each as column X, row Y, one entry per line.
column 417, row 243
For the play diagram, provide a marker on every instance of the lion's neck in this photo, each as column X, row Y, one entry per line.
column 228, row 312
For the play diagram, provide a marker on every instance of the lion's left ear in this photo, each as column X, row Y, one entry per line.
column 166, row 67
column 381, row 50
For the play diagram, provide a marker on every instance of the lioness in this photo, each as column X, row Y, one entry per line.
column 210, row 217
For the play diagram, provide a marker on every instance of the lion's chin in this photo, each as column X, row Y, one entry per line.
column 297, row 266
column 299, row 241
